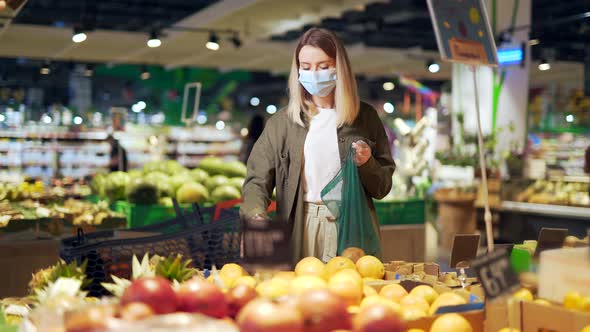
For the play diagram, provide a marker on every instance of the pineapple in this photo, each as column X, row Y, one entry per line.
column 139, row 270
column 174, row 268
column 44, row 277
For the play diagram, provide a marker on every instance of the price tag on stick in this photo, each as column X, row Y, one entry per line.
column 266, row 243
column 495, row 273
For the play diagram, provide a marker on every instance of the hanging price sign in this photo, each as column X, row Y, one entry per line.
column 495, row 273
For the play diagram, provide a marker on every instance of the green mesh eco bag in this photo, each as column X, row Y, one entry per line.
column 345, row 198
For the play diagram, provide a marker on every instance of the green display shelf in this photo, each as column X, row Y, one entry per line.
column 401, row 212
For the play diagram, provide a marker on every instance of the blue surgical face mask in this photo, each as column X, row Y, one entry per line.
column 318, row 83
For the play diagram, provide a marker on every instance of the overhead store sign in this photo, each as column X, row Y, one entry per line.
column 463, row 32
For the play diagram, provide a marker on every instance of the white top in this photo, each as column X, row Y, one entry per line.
column 321, row 156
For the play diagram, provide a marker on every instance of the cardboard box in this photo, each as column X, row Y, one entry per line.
column 562, row 271
column 497, row 315
column 475, row 317
column 536, row 317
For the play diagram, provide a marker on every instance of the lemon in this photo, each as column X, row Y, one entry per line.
column 337, row 264
column 523, row 294
column 573, row 300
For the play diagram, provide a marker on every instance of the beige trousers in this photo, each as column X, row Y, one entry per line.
column 320, row 235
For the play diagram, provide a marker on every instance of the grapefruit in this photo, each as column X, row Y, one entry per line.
column 337, row 264
column 347, row 274
column 380, row 299
column 302, row 284
column 273, row 289
column 394, row 292
column 348, row 289
column 446, row 299
column 413, row 300
column 425, row 292
column 353, row 253
column 413, row 312
column 311, row 266
column 370, row 267
column 451, row 322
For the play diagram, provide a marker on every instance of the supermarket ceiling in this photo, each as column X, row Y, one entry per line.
column 118, row 31
column 381, row 35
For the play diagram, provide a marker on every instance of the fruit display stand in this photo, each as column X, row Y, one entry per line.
column 402, row 229
column 456, row 214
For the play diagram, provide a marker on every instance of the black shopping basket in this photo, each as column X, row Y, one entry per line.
column 196, row 234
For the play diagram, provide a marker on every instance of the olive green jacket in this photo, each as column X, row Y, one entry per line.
column 277, row 161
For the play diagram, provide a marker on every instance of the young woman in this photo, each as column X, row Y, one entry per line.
column 303, row 146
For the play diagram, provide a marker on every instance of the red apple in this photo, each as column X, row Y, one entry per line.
column 262, row 315
column 197, row 295
column 238, row 297
column 378, row 317
column 156, row 292
column 323, row 311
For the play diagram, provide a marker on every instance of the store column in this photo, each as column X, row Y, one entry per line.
column 503, row 102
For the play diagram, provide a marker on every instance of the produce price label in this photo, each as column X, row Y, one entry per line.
column 266, row 242
column 495, row 273
column 463, row 31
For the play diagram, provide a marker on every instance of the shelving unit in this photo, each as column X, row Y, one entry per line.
column 561, row 153
column 43, row 153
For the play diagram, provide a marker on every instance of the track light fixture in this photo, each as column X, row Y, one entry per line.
column 79, row 35
column 154, row 41
column 235, row 39
column 213, row 43
column 544, row 65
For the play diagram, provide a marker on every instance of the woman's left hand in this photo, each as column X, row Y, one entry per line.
column 362, row 152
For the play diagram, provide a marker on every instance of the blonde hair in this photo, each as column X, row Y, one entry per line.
column 301, row 106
